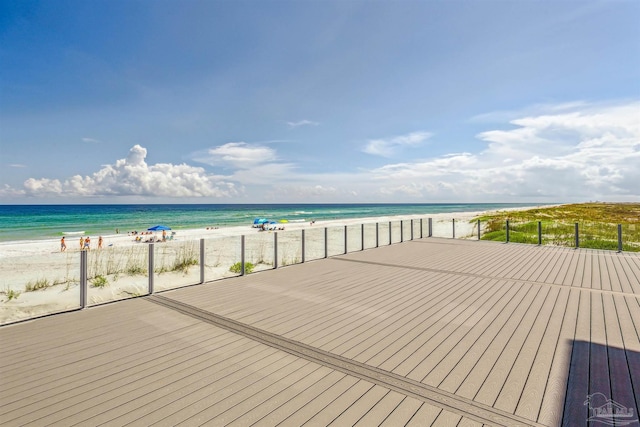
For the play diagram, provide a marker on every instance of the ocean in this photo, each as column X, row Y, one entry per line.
column 38, row 222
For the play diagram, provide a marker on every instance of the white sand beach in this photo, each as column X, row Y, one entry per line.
column 37, row 279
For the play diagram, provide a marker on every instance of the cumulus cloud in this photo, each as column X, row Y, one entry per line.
column 132, row 176
column 590, row 152
column 575, row 151
column 387, row 147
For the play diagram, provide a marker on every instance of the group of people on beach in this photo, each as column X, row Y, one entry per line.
column 153, row 238
column 85, row 243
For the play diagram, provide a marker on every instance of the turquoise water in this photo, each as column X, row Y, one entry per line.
column 36, row 222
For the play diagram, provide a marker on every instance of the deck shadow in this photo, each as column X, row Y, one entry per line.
column 603, row 386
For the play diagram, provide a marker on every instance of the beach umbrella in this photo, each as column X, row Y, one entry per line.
column 158, row 228
column 260, row 221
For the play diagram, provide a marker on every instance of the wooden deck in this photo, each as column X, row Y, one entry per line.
column 428, row 332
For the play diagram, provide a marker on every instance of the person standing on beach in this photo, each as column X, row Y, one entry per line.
column 63, row 245
column 87, row 243
column 100, row 242
column 81, row 243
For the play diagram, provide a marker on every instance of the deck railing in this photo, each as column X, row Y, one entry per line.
column 82, row 279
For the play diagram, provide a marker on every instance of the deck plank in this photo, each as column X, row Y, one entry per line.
column 524, row 330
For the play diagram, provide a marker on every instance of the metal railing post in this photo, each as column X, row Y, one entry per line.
column 421, row 227
column 362, row 234
column 478, row 229
column 151, row 267
column 83, row 279
column 619, row 237
column 201, row 260
column 577, row 237
column 242, row 255
column 430, row 230
column 389, row 232
column 345, row 239
column 539, row 233
column 411, row 229
column 377, row 234
column 326, row 242
column 303, row 245
column 275, row 250
column 507, row 231
column 453, row 221
column 401, row 231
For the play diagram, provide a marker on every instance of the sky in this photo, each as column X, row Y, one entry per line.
column 333, row 101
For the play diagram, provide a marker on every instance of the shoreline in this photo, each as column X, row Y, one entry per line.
column 37, row 279
column 52, row 245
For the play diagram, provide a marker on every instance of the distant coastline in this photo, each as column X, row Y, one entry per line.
column 42, row 222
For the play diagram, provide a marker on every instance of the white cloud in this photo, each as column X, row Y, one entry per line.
column 591, row 152
column 16, row 165
column 574, row 152
column 238, row 155
column 95, row 141
column 302, row 123
column 132, row 176
column 387, row 147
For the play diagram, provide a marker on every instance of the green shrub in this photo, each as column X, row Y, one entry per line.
column 183, row 264
column 99, row 282
column 11, row 294
column 237, row 268
column 37, row 285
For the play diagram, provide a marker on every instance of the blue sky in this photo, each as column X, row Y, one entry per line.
column 319, row 101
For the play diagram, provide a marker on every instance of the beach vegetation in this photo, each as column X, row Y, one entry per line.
column 37, row 285
column 597, row 225
column 177, row 258
column 237, row 268
column 183, row 264
column 99, row 282
column 135, row 269
column 11, row 294
column 186, row 257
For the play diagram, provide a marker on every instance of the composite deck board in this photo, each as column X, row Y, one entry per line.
column 388, row 331
column 151, row 361
column 544, row 266
column 405, row 359
column 613, row 275
column 516, row 336
column 575, row 412
column 530, row 399
column 561, row 267
column 437, row 363
column 554, row 394
column 628, row 311
column 619, row 372
column 513, row 387
column 382, row 408
column 425, row 416
column 509, row 326
column 402, row 413
column 449, row 373
column 599, row 381
column 634, row 273
column 413, row 330
column 269, row 414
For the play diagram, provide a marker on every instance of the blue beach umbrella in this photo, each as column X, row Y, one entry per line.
column 260, row 221
column 159, row 228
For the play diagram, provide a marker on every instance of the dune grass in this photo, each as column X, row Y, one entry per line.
column 597, row 225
